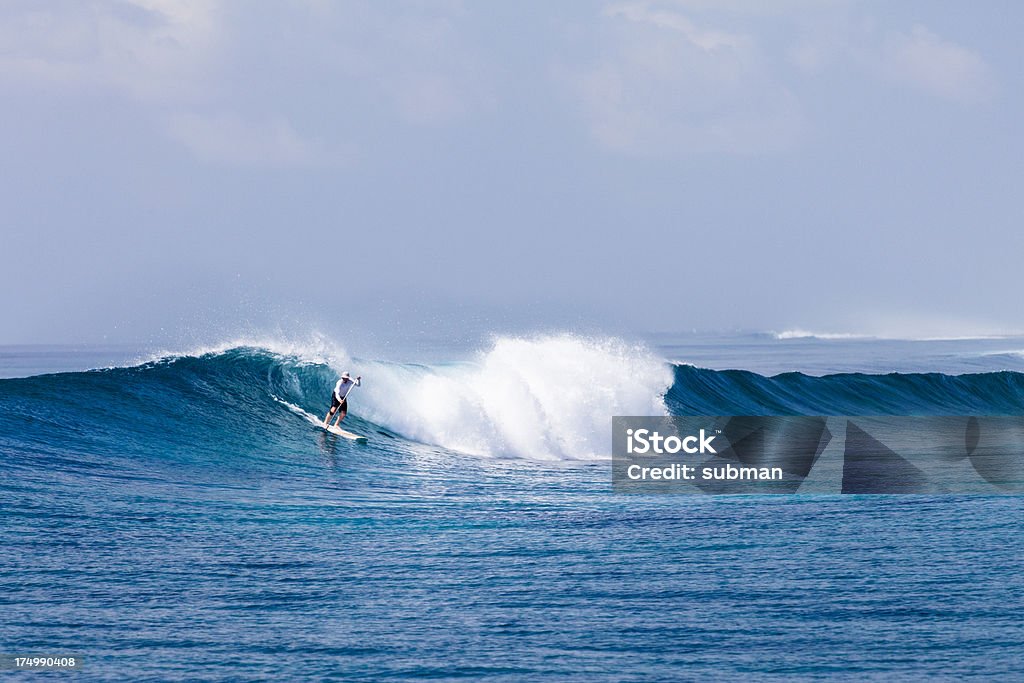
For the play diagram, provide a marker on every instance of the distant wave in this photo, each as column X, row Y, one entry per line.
column 798, row 333
column 698, row 391
column 805, row 334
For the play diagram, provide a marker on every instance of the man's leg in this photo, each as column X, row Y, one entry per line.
column 329, row 414
column 342, row 412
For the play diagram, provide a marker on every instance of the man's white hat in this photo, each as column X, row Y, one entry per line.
column 345, row 375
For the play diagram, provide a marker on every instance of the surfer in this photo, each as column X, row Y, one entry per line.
column 339, row 398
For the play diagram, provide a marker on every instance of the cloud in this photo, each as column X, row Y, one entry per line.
column 416, row 55
column 179, row 60
column 759, row 7
column 923, row 60
column 149, row 49
column 704, row 39
column 665, row 85
column 676, row 78
column 916, row 58
column 425, row 97
column 229, row 140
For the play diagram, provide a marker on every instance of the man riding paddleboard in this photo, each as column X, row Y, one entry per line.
column 339, row 398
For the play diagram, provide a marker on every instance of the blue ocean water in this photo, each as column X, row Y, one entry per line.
column 180, row 518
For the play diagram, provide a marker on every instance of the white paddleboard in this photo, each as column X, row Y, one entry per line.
column 348, row 435
column 319, row 422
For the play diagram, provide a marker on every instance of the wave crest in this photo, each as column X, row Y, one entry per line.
column 549, row 397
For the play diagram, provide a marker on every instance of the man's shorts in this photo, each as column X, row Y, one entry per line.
column 336, row 403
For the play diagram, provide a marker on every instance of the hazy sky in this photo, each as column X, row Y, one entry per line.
column 218, row 167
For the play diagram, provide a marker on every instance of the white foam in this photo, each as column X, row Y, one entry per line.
column 805, row 334
column 547, row 397
column 1007, row 352
column 313, row 419
column 888, row 336
column 315, row 348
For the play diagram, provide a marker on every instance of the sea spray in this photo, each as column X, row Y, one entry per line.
column 544, row 397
